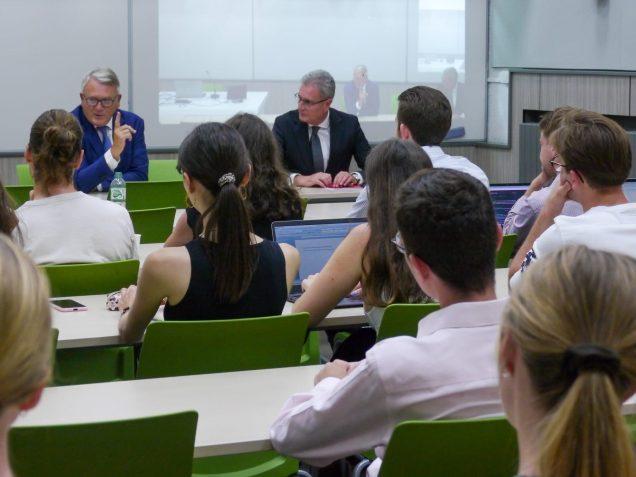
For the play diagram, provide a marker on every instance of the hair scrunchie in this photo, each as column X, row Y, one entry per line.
column 227, row 178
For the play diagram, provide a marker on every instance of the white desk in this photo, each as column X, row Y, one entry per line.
column 335, row 210
column 204, row 109
column 327, row 194
column 235, row 409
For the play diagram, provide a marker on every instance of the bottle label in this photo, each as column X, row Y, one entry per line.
column 118, row 194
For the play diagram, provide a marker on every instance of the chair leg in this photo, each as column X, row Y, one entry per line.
column 302, row 473
column 360, row 470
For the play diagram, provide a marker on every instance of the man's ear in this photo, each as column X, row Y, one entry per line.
column 404, row 132
column 499, row 236
column 419, row 269
column 248, row 175
column 32, row 400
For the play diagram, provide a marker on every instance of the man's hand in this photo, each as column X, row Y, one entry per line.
column 121, row 134
column 306, row 283
column 344, row 179
column 336, row 369
column 537, row 183
column 556, row 200
column 319, row 179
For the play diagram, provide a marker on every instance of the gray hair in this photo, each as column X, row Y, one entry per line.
column 102, row 75
column 322, row 80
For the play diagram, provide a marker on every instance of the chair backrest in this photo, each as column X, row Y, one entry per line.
column 19, row 193
column 176, row 348
column 154, row 225
column 153, row 195
column 401, row 319
column 91, row 278
column 24, row 174
column 463, row 448
column 163, row 170
column 150, row 446
column 505, row 250
column 303, row 205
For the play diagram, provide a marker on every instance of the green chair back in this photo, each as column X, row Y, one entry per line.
column 24, row 174
column 146, row 447
column 463, row 448
column 54, row 335
column 303, row 205
column 93, row 365
column 154, row 225
column 154, row 195
column 91, row 278
column 401, row 319
column 163, row 170
column 505, row 250
column 19, row 193
column 175, row 348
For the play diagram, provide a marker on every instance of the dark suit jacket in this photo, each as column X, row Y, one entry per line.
column 371, row 106
column 345, row 136
column 133, row 161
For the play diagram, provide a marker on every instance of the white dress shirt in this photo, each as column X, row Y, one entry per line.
column 439, row 159
column 449, row 371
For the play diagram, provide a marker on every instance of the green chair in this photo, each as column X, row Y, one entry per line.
column 163, row 170
column 505, row 250
column 54, row 335
column 630, row 420
column 93, row 365
column 146, row 447
column 311, row 349
column 19, row 193
column 401, row 319
column 154, row 195
column 24, row 174
column 91, row 278
column 462, row 448
column 303, row 205
column 154, row 225
column 175, row 348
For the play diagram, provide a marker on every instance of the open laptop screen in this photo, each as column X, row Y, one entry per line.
column 315, row 240
column 504, row 197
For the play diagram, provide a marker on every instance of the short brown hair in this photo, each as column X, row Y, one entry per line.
column 594, row 146
column 426, row 112
column 551, row 120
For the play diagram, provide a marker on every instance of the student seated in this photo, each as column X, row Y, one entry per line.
column 60, row 224
column 448, row 236
column 25, row 341
column 270, row 197
column 524, row 212
column 567, row 361
column 593, row 161
column 367, row 254
column 227, row 272
column 8, row 219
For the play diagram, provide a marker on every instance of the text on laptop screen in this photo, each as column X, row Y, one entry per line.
column 315, row 242
column 504, row 197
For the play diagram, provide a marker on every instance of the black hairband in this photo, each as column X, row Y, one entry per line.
column 590, row 357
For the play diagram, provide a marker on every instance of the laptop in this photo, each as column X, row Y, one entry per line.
column 504, row 197
column 316, row 241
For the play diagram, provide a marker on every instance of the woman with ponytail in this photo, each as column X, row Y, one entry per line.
column 568, row 360
column 60, row 224
column 227, row 271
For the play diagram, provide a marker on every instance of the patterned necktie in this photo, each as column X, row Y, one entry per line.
column 316, row 150
column 105, row 130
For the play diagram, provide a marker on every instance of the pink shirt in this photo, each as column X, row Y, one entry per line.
column 448, row 372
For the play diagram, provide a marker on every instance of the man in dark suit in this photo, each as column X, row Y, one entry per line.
column 317, row 142
column 361, row 95
column 113, row 139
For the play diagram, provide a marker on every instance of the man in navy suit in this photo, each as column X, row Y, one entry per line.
column 361, row 95
column 317, row 142
column 113, row 139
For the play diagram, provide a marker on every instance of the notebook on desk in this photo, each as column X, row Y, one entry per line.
column 316, row 241
column 504, row 197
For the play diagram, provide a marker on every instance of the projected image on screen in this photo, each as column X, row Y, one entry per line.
column 221, row 57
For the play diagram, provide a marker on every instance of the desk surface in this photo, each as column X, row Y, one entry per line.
column 336, row 210
column 327, row 194
column 235, row 409
column 98, row 327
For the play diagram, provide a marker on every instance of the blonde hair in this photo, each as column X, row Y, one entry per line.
column 25, row 324
column 55, row 141
column 574, row 322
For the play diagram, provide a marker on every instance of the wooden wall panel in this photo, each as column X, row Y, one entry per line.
column 604, row 94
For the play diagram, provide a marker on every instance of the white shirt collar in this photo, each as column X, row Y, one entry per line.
column 434, row 152
column 325, row 123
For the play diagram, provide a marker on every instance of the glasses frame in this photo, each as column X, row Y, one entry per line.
column 307, row 102
column 558, row 167
column 101, row 101
column 399, row 244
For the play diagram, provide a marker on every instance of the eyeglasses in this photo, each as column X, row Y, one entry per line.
column 308, row 102
column 105, row 102
column 399, row 244
column 558, row 167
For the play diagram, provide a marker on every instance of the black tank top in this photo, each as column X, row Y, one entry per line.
column 265, row 296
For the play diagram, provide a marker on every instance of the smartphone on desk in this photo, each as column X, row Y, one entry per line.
column 67, row 304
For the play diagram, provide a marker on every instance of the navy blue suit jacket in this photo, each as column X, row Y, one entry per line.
column 346, row 139
column 133, row 161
